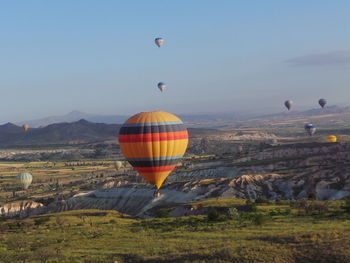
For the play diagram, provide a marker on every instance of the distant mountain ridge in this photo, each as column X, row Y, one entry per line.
column 188, row 118
column 312, row 112
column 67, row 133
column 75, row 116
column 78, row 132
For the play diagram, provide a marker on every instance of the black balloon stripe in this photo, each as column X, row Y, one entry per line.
column 155, row 163
column 152, row 129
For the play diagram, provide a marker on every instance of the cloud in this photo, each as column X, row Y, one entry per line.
column 331, row 58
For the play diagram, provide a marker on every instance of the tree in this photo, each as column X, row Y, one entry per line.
column 213, row 215
column 233, row 213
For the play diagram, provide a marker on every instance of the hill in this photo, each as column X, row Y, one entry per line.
column 74, row 116
column 198, row 119
column 78, row 132
column 231, row 232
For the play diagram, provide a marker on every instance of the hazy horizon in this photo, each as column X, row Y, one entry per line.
column 235, row 56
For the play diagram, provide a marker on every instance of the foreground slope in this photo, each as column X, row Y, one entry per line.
column 238, row 232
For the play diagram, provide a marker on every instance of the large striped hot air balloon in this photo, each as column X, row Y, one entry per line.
column 24, row 180
column 153, row 143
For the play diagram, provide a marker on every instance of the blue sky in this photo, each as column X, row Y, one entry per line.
column 219, row 56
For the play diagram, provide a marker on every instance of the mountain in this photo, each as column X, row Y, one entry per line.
column 74, row 116
column 113, row 119
column 192, row 120
column 81, row 131
column 64, row 133
column 312, row 112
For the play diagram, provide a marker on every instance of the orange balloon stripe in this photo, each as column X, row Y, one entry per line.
column 153, row 137
column 155, row 169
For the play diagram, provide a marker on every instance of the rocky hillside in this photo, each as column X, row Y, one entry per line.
column 315, row 170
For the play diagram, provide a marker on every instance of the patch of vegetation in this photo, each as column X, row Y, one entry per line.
column 282, row 233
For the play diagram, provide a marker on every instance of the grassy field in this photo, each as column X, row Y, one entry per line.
column 299, row 231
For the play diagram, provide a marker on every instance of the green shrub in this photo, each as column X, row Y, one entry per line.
column 259, row 219
column 41, row 220
column 274, row 212
column 312, row 196
column 233, row 213
column 287, row 211
column 261, row 200
column 213, row 215
column 248, row 202
column 253, row 208
column 162, row 213
column 346, row 206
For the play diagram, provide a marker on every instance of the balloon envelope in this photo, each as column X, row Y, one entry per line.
column 273, row 141
column 118, row 165
column 332, row 138
column 25, row 127
column 310, row 129
column 159, row 41
column 322, row 102
column 288, row 104
column 24, row 180
column 161, row 86
column 153, row 143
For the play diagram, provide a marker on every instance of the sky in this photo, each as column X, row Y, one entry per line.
column 219, row 56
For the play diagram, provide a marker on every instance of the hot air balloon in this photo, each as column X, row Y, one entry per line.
column 310, row 129
column 161, row 86
column 331, row 138
column 159, row 41
column 273, row 141
column 288, row 104
column 322, row 102
column 24, row 180
column 153, row 143
column 118, row 165
column 25, row 127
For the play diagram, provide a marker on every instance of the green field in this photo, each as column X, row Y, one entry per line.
column 299, row 231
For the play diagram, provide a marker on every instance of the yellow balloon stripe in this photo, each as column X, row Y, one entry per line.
column 153, row 116
column 156, row 178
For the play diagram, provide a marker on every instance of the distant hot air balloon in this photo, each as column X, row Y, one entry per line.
column 24, row 180
column 288, row 104
column 161, row 86
column 25, row 127
column 153, row 143
column 273, row 141
column 159, row 41
column 310, row 129
column 118, row 165
column 331, row 138
column 322, row 102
